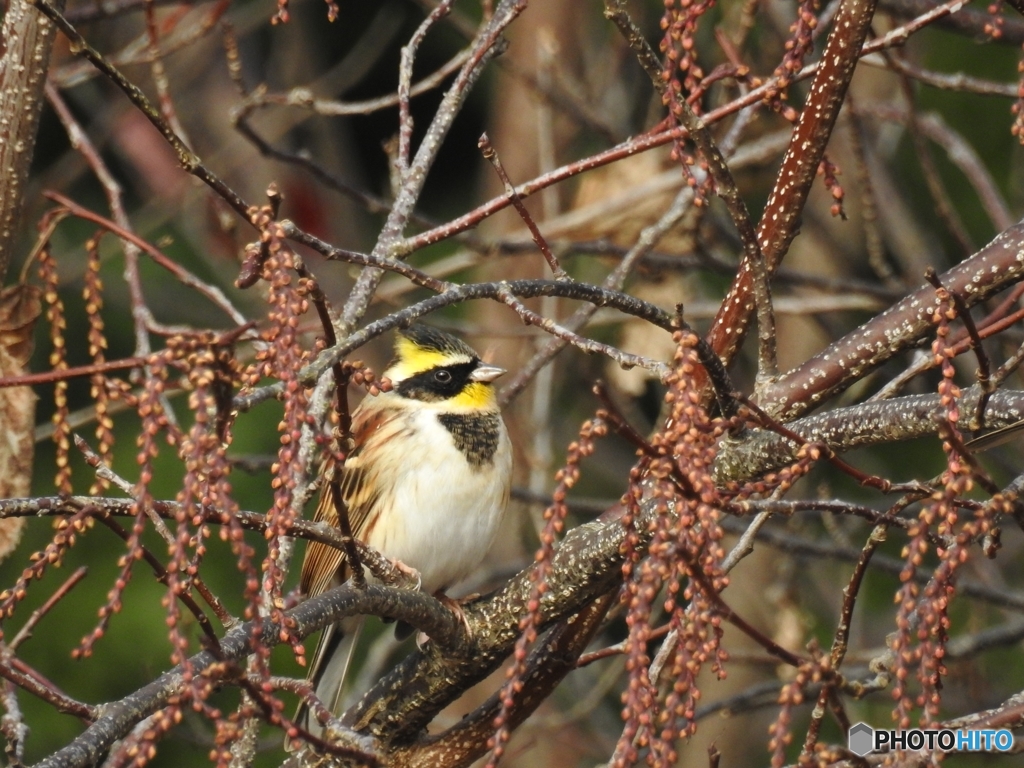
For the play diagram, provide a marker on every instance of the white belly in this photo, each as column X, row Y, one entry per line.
column 446, row 513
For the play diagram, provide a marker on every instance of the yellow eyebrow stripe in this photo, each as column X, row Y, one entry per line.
column 413, row 359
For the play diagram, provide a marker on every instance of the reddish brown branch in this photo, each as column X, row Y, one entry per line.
column 799, row 167
column 211, row 292
column 902, row 326
column 63, row 374
column 26, row 630
column 491, row 155
column 21, row 675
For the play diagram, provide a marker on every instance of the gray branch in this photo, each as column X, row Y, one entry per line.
column 758, row 451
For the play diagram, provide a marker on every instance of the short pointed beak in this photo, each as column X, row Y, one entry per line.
column 486, row 373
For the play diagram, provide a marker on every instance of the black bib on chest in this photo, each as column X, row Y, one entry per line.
column 476, row 435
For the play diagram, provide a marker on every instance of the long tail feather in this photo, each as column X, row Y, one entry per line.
column 327, row 672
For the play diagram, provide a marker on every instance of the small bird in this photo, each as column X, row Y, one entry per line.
column 426, row 483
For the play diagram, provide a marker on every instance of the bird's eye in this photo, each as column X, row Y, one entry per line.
column 442, row 376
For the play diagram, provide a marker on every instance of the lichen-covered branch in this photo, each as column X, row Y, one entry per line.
column 26, row 38
column 757, row 451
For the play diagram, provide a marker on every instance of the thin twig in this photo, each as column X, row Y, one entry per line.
column 984, row 366
column 648, row 238
column 491, row 155
column 839, row 642
column 476, row 291
column 19, row 673
column 408, row 57
column 211, row 292
column 485, row 47
column 656, row 138
column 26, row 630
column 186, row 158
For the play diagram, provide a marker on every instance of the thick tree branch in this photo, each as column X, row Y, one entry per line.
column 119, row 717
column 26, row 38
column 554, row 657
column 586, row 566
column 904, row 325
column 799, row 167
column 760, row 450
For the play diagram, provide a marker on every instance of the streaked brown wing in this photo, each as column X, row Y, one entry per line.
column 360, row 493
column 321, row 561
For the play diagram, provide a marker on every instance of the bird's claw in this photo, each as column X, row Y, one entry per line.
column 455, row 606
column 387, row 570
column 406, row 576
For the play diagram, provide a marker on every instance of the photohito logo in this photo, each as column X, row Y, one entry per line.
column 863, row 740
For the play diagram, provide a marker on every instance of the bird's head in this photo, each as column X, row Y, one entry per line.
column 434, row 367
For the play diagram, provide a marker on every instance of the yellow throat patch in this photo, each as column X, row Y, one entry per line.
column 476, row 394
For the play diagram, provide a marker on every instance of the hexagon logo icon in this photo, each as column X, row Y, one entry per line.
column 861, row 739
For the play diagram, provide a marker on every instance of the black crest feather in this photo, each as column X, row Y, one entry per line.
column 430, row 338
